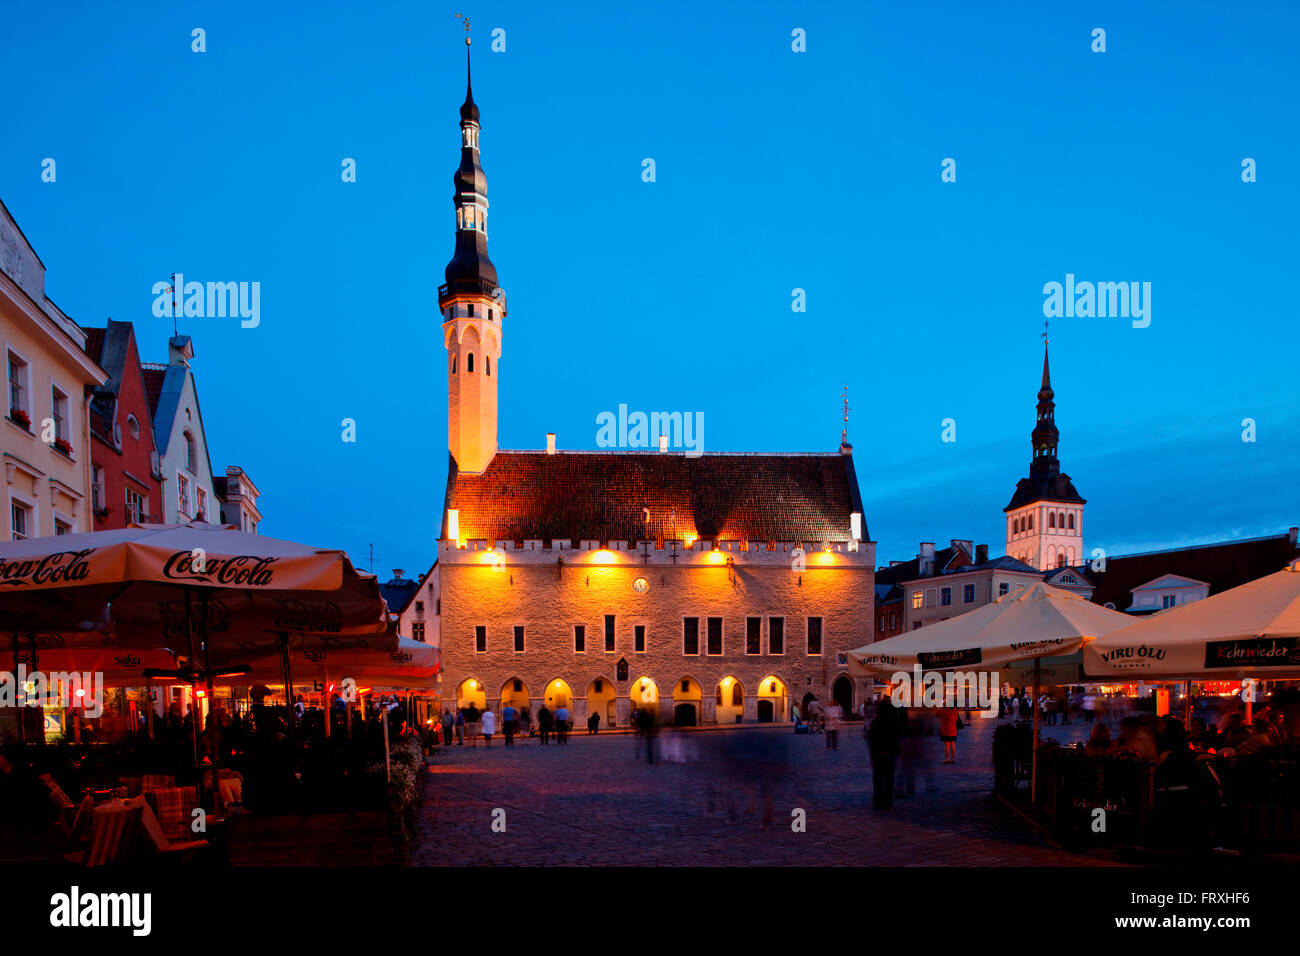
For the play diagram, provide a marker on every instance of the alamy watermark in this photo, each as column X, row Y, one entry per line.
column 656, row 429
column 1102, row 300
column 964, row 690
column 211, row 300
column 68, row 689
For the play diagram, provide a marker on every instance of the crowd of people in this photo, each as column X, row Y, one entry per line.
column 472, row 724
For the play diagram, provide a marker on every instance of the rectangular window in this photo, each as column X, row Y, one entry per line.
column 690, row 635
column 437, row 607
column 1169, row 600
column 20, row 518
column 480, row 638
column 62, row 527
column 753, row 635
column 968, row 594
column 945, row 596
column 59, row 407
column 417, row 631
column 579, row 639
column 519, row 639
column 203, row 504
column 930, row 595
column 183, row 494
column 419, row 609
column 814, row 635
column 1003, row 588
column 639, row 638
column 609, row 633
column 776, row 635
column 916, row 600
column 135, row 509
column 715, row 636
column 17, row 385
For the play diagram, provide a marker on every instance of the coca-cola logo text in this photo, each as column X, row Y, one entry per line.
column 62, row 567
column 239, row 570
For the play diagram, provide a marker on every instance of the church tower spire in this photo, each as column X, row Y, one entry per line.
column 473, row 306
column 1045, row 515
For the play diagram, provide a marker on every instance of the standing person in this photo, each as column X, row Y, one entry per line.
column 883, row 738
column 1089, row 707
column 508, row 713
column 646, row 725
column 525, row 721
column 472, row 727
column 948, row 733
column 460, row 728
column 448, row 725
column 834, row 718
column 544, row 724
column 489, row 724
column 593, row 724
column 562, row 724
column 1015, row 708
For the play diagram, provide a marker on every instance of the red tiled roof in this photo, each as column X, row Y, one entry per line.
column 95, row 343
column 601, row 496
column 153, row 386
column 1223, row 566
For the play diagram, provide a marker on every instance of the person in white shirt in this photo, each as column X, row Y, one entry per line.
column 489, row 724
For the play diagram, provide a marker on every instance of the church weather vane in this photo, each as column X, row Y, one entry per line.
column 1045, row 332
column 844, row 435
column 461, row 16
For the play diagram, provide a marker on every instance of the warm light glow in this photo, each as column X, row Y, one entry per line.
column 688, row 540
column 717, row 557
column 453, row 525
column 726, row 682
column 825, row 557
column 81, row 692
column 200, row 693
column 603, row 556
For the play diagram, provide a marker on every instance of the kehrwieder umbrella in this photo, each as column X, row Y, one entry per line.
column 1036, row 622
column 1249, row 631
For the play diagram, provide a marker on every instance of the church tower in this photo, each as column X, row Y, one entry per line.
column 1045, row 516
column 473, row 308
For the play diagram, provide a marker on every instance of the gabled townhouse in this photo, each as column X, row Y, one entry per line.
column 188, row 490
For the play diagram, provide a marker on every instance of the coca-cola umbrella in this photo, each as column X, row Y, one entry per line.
column 186, row 588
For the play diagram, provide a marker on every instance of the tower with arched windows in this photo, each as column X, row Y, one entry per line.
column 1045, row 515
column 473, row 308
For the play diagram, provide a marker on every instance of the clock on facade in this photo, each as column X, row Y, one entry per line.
column 641, row 585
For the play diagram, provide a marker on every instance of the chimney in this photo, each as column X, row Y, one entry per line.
column 925, row 560
column 663, row 442
column 180, row 349
column 1292, row 534
column 981, row 553
column 550, row 443
column 397, row 574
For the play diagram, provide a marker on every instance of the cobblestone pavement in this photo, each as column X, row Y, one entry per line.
column 596, row 802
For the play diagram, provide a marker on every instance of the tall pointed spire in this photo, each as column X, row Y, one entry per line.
column 1045, row 435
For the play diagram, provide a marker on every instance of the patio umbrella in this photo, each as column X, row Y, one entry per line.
column 1035, row 622
column 1249, row 631
column 186, row 588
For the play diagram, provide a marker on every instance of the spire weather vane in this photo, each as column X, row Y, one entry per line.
column 844, row 435
column 1045, row 341
column 461, row 16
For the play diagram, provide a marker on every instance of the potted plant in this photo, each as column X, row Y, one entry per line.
column 21, row 417
column 63, row 445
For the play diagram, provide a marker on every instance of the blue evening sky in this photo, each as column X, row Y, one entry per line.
column 775, row 170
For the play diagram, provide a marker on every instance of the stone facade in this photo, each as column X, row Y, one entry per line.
column 549, row 590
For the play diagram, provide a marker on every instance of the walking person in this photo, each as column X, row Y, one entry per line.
column 460, row 728
column 448, row 726
column 508, row 724
column 883, row 739
column 834, row 719
column 489, row 724
column 562, row 724
column 544, row 723
column 593, row 724
column 948, row 733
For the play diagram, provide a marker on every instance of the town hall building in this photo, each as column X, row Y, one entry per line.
column 716, row 588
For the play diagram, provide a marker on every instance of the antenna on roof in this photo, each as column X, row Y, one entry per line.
column 844, row 435
column 172, row 289
column 1045, row 332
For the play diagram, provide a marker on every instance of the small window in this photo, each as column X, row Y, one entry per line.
column 968, row 594
column 59, row 407
column 487, row 365
column 419, row 609
column 1070, row 518
column 916, row 600
column 453, row 363
column 686, row 685
column 471, row 315
column 1003, row 588
column 519, row 639
column 776, row 635
column 753, row 635
column 638, row 638
column 133, row 425
column 690, row 635
column 1051, row 520
column 191, row 454
column 814, row 635
column 480, row 638
column 437, row 606
column 519, row 686
column 945, row 597
column 417, row 631
column 715, row 635
column 469, row 362
column 931, row 596
column 18, row 385
column 580, row 640
column 893, row 621
column 136, row 512
column 62, row 527
column 598, row 685
column 1060, row 560
column 1031, row 523
column 609, row 633
column 20, row 521
column 1169, row 600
